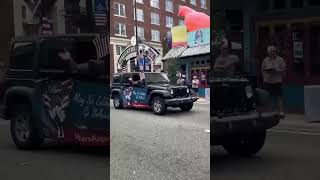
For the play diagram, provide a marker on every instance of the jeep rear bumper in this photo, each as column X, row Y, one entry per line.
column 180, row 101
column 243, row 123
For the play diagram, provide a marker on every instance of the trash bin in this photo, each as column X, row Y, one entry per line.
column 312, row 103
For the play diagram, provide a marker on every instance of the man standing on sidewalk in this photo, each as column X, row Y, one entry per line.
column 273, row 68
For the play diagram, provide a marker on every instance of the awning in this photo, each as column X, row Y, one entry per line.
column 187, row 52
column 174, row 53
column 197, row 50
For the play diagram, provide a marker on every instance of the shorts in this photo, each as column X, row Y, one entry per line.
column 275, row 90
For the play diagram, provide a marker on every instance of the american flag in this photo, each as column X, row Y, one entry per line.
column 100, row 19
column 101, row 44
column 46, row 26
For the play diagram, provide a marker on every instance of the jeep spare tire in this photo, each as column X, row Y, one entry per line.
column 117, row 103
column 245, row 144
column 158, row 106
column 186, row 107
column 23, row 130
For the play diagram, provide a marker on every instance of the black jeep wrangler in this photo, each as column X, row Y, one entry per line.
column 239, row 115
column 43, row 98
column 153, row 92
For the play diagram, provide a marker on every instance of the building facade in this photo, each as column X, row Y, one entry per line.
column 154, row 19
column 294, row 27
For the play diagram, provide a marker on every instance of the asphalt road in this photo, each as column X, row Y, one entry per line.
column 286, row 156
column 175, row 146
column 51, row 162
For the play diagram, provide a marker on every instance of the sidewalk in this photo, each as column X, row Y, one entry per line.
column 202, row 100
column 295, row 122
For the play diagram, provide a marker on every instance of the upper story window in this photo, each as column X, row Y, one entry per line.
column 121, row 29
column 155, row 18
column 140, row 32
column 154, row 3
column 120, row 49
column 181, row 22
column 139, row 1
column 140, row 15
column 169, row 21
column 155, row 35
column 119, row 9
column 203, row 4
column 193, row 2
column 169, row 5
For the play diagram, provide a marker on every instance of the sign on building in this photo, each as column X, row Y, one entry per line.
column 199, row 37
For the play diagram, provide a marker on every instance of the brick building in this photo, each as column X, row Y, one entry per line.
column 155, row 18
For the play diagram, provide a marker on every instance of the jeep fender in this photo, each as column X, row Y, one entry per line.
column 19, row 93
column 164, row 93
column 114, row 91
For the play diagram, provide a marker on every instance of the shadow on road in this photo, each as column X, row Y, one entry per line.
column 74, row 149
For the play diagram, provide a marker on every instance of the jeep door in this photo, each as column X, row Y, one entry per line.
column 73, row 106
column 134, row 95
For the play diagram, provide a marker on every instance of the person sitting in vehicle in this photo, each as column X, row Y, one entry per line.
column 181, row 81
column 226, row 63
column 137, row 80
column 70, row 64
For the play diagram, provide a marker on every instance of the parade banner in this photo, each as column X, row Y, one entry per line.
column 179, row 36
column 73, row 111
column 135, row 97
column 199, row 37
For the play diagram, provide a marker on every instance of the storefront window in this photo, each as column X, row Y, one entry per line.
column 298, row 51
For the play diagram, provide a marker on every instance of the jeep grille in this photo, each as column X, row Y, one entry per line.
column 229, row 98
column 180, row 92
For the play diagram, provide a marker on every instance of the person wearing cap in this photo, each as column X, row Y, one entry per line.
column 226, row 63
column 195, row 84
column 273, row 68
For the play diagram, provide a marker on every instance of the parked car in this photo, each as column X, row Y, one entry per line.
column 154, row 92
column 43, row 99
column 240, row 115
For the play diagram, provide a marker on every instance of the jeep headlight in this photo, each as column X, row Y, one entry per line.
column 171, row 91
column 188, row 91
column 249, row 91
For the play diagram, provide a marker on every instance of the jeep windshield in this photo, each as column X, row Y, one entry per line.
column 157, row 78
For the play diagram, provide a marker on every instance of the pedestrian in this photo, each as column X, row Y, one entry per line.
column 273, row 68
column 226, row 63
column 180, row 80
column 195, row 84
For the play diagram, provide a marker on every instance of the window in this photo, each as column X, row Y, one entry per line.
column 169, row 5
column 154, row 3
column 203, row 4
column 155, row 18
column 169, row 21
column 120, row 49
column 23, row 55
column 181, row 22
column 139, row 1
column 279, row 4
column 140, row 32
column 193, row 2
column 121, row 29
column 140, row 15
column 119, row 9
column 155, row 35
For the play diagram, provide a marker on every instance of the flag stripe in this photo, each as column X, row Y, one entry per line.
column 101, row 44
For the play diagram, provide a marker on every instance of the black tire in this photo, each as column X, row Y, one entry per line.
column 245, row 144
column 158, row 106
column 117, row 102
column 22, row 113
column 186, row 107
